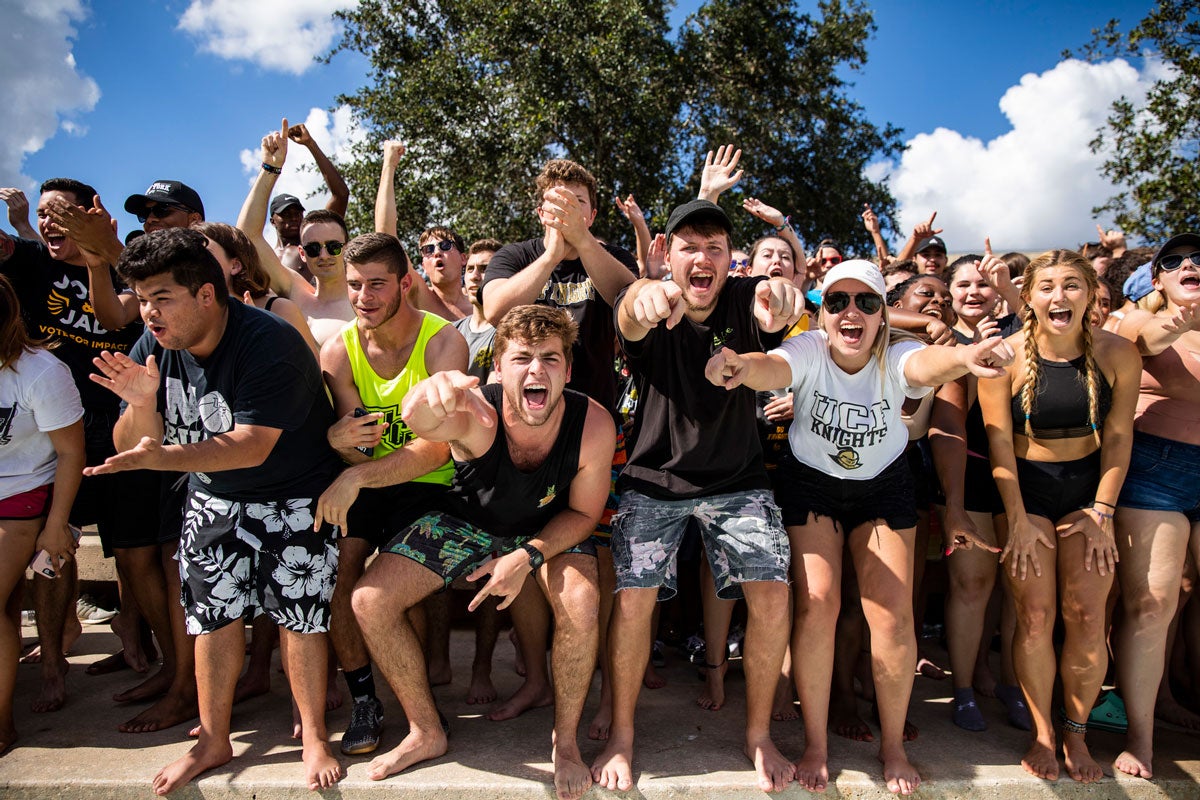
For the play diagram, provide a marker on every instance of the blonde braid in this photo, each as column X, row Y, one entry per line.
column 1033, row 367
column 1093, row 379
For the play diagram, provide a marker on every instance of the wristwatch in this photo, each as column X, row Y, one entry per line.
column 536, row 559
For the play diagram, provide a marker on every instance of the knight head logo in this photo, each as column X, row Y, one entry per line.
column 847, row 458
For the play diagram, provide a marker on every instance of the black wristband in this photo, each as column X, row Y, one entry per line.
column 273, row 170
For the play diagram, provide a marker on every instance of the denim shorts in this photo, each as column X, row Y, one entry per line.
column 452, row 547
column 1163, row 476
column 742, row 533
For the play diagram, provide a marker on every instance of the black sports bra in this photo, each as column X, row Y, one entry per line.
column 1060, row 407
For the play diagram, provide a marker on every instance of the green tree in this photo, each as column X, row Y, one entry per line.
column 482, row 93
column 1153, row 148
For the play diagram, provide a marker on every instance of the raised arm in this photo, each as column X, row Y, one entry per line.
column 340, row 193
column 641, row 231
column 385, row 196
column 94, row 231
column 921, row 231
column 782, row 225
column 18, row 213
column 871, row 223
column 1154, row 333
column 720, row 172
column 998, row 274
column 253, row 216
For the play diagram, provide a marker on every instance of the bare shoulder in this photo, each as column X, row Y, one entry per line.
column 447, row 350
column 1115, row 351
column 599, row 434
column 334, row 356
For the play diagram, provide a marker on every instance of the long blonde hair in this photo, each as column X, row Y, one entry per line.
column 1033, row 364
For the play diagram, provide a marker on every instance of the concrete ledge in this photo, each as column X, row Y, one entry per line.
column 683, row 751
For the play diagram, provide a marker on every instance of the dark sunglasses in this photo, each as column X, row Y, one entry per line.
column 1172, row 263
column 866, row 302
column 159, row 211
column 445, row 245
column 739, row 263
column 313, row 249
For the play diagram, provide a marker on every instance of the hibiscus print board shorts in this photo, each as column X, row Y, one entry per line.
column 742, row 533
column 239, row 559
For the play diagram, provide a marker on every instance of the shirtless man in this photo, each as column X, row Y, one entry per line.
column 443, row 257
column 532, row 479
column 287, row 212
column 325, row 306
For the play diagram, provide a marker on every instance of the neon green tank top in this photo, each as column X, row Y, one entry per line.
column 387, row 396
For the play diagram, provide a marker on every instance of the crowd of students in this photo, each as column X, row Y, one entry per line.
column 550, row 423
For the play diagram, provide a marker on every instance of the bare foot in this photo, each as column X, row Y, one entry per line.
column 252, row 684
column 1078, row 760
column 168, row 712
column 613, row 768
column 812, row 770
column 774, row 771
column 54, row 688
column 1136, row 763
column 712, row 697
column 783, row 707
column 154, row 686
column 571, row 777
column 651, row 679
column 518, row 658
column 137, row 646
column 72, row 630
column 1040, row 761
column 525, row 698
column 321, row 769
column 415, row 748
column 200, row 758
column 901, row 776
column 598, row 730
column 481, row 691
column 845, row 721
column 114, row 663
column 1168, row 709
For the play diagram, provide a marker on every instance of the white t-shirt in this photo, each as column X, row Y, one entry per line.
column 37, row 395
column 847, row 426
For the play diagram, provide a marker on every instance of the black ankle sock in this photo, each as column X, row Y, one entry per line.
column 361, row 683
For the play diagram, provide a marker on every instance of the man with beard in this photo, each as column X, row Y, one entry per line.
column 532, row 476
column 696, row 457
column 394, row 476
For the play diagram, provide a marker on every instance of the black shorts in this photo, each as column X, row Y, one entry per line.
column 129, row 509
column 1053, row 489
column 920, row 467
column 849, row 503
column 979, row 487
column 379, row 514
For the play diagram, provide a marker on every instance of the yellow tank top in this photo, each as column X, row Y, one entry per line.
column 387, row 396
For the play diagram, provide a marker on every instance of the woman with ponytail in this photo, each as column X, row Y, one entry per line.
column 1059, row 427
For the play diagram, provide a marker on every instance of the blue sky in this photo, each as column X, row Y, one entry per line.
column 180, row 88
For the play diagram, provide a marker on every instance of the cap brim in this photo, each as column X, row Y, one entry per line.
column 135, row 203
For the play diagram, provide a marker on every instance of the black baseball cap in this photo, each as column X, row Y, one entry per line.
column 172, row 192
column 281, row 201
column 932, row 241
column 698, row 211
column 1178, row 240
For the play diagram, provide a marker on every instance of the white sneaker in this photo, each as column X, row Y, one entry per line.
column 91, row 614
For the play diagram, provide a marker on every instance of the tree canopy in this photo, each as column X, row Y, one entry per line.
column 483, row 92
column 1153, row 149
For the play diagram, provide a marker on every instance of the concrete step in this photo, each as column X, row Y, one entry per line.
column 683, row 751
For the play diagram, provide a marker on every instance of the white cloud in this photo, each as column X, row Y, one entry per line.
column 40, row 84
column 1033, row 187
column 335, row 134
column 283, row 35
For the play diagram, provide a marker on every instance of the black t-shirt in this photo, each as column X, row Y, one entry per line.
column 570, row 288
column 690, row 438
column 1009, row 324
column 54, row 303
column 492, row 494
column 261, row 373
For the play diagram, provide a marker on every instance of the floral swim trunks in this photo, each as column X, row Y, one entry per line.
column 237, row 559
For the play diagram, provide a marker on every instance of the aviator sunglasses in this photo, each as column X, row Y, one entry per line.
column 160, row 211
column 1172, row 263
column 313, row 249
column 445, row 245
column 866, row 302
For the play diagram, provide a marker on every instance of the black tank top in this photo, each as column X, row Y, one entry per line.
column 1060, row 407
column 492, row 494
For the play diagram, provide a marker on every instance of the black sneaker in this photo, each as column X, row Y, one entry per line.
column 366, row 726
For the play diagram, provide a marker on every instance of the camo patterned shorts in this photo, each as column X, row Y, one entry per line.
column 742, row 534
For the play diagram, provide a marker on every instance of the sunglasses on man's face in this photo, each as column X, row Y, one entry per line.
column 313, row 249
column 445, row 245
column 866, row 302
column 160, row 211
column 832, row 260
column 1172, row 263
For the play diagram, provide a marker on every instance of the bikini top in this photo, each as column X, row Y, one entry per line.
column 1060, row 407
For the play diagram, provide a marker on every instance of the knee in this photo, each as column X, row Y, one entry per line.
column 370, row 603
column 1037, row 620
column 1083, row 617
column 818, row 606
column 971, row 589
column 1146, row 609
column 577, row 604
column 769, row 602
